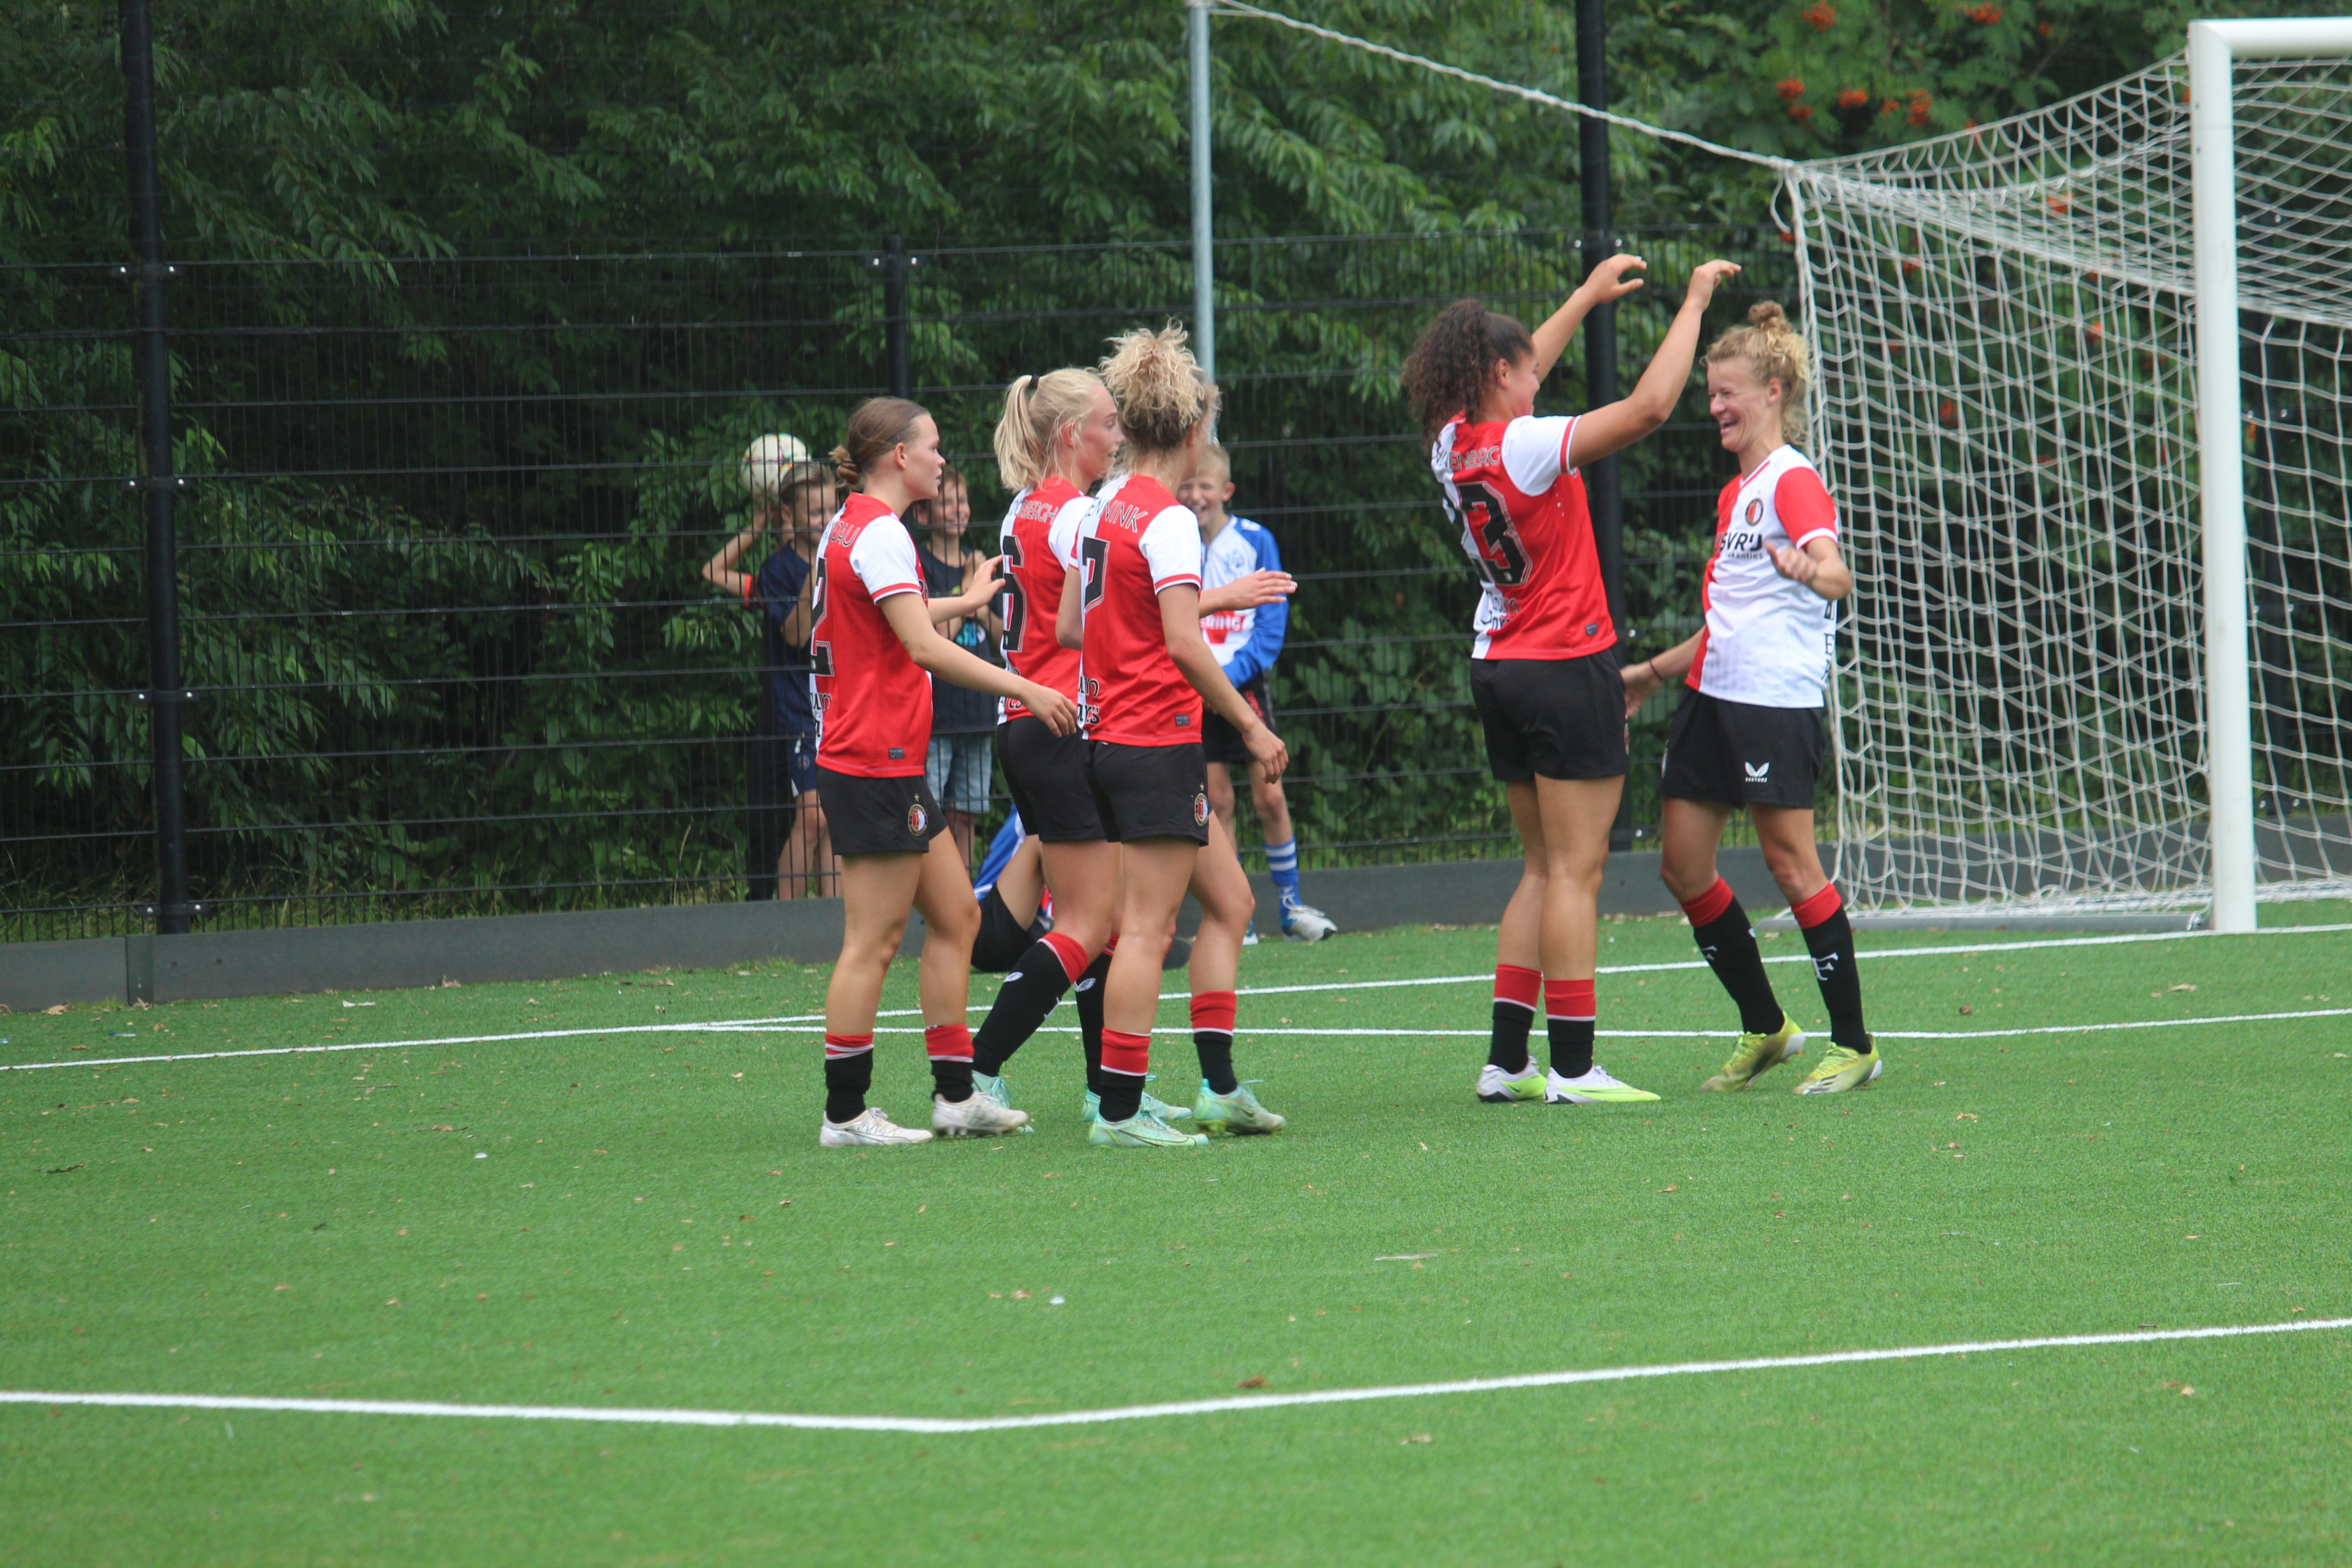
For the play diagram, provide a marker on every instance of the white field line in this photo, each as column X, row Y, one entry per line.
column 1253, row 1032
column 745, row 1026
column 933, row 1426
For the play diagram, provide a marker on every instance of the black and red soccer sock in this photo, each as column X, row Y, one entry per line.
column 1213, row 1038
column 1728, row 942
column 1125, row 1063
column 1090, row 1014
column 1568, row 1019
column 950, row 1047
column 1829, row 937
column 848, row 1074
column 1025, row 1000
column 1516, row 992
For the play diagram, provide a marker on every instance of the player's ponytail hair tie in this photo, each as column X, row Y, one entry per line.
column 878, row 425
column 1160, row 392
column 1775, row 351
column 1451, row 363
column 1036, row 407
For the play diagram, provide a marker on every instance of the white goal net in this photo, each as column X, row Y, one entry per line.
column 2007, row 325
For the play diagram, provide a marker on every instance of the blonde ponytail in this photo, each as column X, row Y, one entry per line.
column 1036, row 408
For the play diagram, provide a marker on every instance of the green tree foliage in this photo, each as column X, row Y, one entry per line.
column 340, row 166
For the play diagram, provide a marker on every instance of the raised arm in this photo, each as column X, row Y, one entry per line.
column 1651, row 402
column 720, row 570
column 1607, row 282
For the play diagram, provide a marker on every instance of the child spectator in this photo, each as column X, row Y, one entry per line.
column 781, row 762
column 1246, row 643
column 963, row 722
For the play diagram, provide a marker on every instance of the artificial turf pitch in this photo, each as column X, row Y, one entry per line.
column 654, row 1226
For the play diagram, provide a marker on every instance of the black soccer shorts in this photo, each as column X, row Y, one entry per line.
column 1552, row 718
column 1045, row 774
column 1150, row 791
column 878, row 817
column 1736, row 753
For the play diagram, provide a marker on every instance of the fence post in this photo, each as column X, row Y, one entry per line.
column 157, row 482
column 1205, row 271
column 1603, row 489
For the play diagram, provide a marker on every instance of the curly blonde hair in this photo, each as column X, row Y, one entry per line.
column 1036, row 407
column 1775, row 351
column 1160, row 392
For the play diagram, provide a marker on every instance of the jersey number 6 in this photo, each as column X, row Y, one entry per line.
column 1488, row 520
column 1016, row 603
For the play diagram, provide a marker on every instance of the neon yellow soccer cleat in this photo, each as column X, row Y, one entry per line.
column 1758, row 1055
column 1841, row 1070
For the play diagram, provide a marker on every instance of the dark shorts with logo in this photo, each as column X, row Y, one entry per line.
column 1736, row 753
column 1150, row 791
column 1552, row 718
column 1045, row 774
column 878, row 817
column 1220, row 741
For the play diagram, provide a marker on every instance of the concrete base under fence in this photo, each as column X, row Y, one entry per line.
column 401, row 954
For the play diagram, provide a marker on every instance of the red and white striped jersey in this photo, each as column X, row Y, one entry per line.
column 872, row 702
column 1041, row 531
column 1768, row 639
column 1526, row 526
column 1142, row 541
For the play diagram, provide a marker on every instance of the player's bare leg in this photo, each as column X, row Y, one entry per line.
column 805, row 850
column 1786, row 834
column 1224, row 1103
column 1552, row 927
column 876, row 894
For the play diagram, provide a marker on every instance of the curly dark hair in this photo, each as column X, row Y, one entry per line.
column 1446, row 373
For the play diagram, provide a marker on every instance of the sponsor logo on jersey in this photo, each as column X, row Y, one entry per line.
column 897, row 753
column 1755, row 512
column 1183, row 721
column 915, row 819
column 1758, row 772
column 1592, row 628
column 1200, row 808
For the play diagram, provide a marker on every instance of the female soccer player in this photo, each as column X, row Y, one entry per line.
column 1749, row 731
column 1057, row 440
column 1145, row 670
column 874, row 643
column 1545, row 676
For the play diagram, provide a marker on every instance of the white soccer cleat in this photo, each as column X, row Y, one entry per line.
column 1496, row 1086
column 868, row 1128
column 1593, row 1088
column 1304, row 923
column 978, row 1116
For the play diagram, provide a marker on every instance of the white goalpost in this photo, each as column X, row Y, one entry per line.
column 2103, row 659
column 2084, row 396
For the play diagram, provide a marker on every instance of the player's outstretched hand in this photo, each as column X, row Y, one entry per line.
column 1794, row 564
column 1266, row 748
column 1249, row 590
column 1706, row 279
column 987, row 574
column 1608, row 281
column 1641, row 681
column 1061, row 714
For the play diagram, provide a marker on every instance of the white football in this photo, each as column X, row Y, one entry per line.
column 767, row 459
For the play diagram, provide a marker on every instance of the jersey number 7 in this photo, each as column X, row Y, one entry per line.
column 1096, row 554
column 1484, row 517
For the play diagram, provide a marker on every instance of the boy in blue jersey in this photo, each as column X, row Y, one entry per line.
column 1246, row 643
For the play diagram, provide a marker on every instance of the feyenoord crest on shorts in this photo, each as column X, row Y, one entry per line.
column 1200, row 808
column 915, row 818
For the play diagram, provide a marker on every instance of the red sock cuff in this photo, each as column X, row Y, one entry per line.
column 1818, row 908
column 948, row 1042
column 1123, row 1052
column 1067, row 953
column 1112, row 946
column 1708, row 907
column 1213, row 1010
column 1513, row 984
column 1568, row 999
column 846, row 1044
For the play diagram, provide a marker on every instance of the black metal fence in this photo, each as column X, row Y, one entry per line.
column 439, row 553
